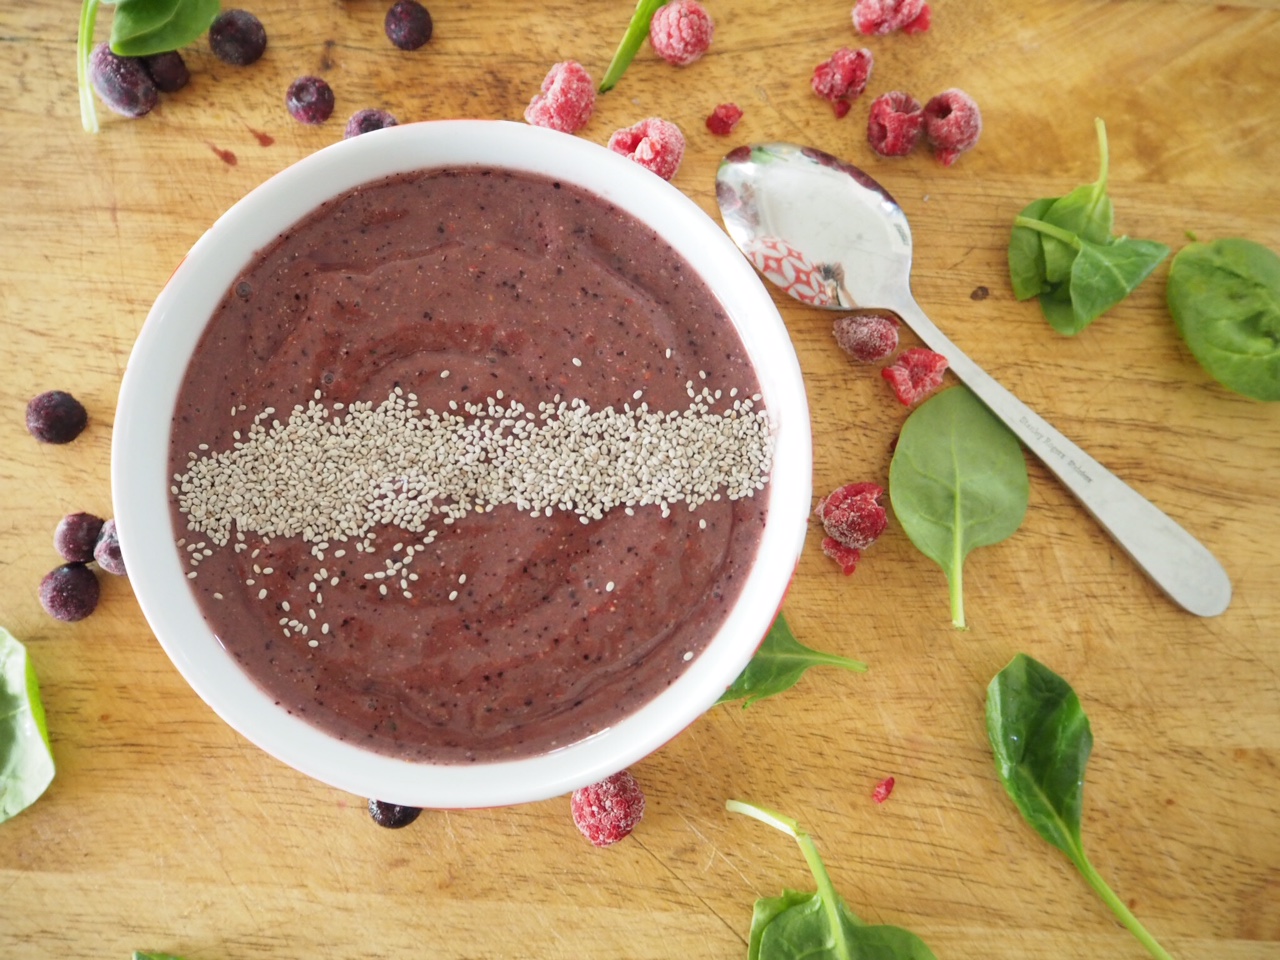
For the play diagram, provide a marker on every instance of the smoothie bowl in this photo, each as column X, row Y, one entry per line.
column 462, row 464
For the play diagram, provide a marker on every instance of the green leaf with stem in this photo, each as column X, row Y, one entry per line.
column 1026, row 252
column 778, row 665
column 817, row 926
column 1086, row 212
column 637, row 30
column 957, row 481
column 26, row 762
column 1042, row 740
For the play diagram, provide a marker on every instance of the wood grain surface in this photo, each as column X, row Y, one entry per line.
column 166, row 830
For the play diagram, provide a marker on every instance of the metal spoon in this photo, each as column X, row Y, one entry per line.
column 831, row 236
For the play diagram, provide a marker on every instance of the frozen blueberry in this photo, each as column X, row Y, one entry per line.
column 69, row 592
column 107, row 550
column 408, row 24
column 237, row 37
column 392, row 815
column 168, row 70
column 56, row 417
column 76, row 536
column 310, row 100
column 366, row 121
column 122, row 82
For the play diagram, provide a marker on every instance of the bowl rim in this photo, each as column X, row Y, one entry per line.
column 178, row 317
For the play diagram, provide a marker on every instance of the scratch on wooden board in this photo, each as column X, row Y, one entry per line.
column 692, row 892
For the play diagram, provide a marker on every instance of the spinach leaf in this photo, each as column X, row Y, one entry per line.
column 140, row 955
column 26, row 762
column 1225, row 301
column 637, row 31
column 778, row 666
column 139, row 28
column 1026, row 253
column 1086, row 212
column 1042, row 740
column 818, row 926
column 957, row 481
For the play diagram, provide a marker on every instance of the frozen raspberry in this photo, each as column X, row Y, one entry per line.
column 655, row 144
column 852, row 515
column 168, row 71
column 607, row 811
column 56, row 417
column 76, row 536
column 366, row 121
column 680, row 32
column 309, row 100
column 881, row 793
column 886, row 16
column 237, row 37
column 842, row 79
column 107, row 550
column 567, row 99
column 920, row 24
column 847, row 557
column 69, row 592
column 952, row 124
column 122, row 82
column 724, row 118
column 894, row 126
column 392, row 815
column 867, row 337
column 917, row 374
column 408, row 24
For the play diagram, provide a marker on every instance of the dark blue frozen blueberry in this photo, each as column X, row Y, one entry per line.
column 237, row 37
column 56, row 417
column 366, row 121
column 310, row 100
column 76, row 536
column 107, row 550
column 408, row 24
column 69, row 592
column 122, row 82
column 168, row 70
column 392, row 815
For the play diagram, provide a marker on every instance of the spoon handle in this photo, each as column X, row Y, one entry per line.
column 1178, row 563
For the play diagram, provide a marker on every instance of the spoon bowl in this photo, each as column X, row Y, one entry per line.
column 830, row 236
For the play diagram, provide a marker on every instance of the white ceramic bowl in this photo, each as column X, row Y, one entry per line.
column 157, row 365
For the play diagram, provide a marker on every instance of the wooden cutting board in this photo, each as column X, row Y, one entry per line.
column 165, row 830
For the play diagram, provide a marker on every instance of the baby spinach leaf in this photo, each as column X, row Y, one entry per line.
column 820, row 925
column 957, row 481
column 26, row 762
column 1026, row 253
column 140, row 955
column 1042, row 740
column 1086, row 212
column 637, row 31
column 778, row 665
column 1225, row 301
column 1103, row 275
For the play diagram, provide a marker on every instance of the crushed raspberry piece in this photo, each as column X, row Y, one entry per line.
column 607, row 811
column 886, row 16
column 567, row 100
column 867, row 337
column 852, row 516
column 894, row 127
column 917, row 374
column 881, row 793
column 724, row 118
column 680, row 32
column 920, row 24
column 952, row 124
column 847, row 557
column 842, row 79
column 655, row 144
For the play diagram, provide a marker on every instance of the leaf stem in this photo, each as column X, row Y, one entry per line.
column 637, row 30
column 1049, row 230
column 1119, row 908
column 84, row 44
column 1104, row 154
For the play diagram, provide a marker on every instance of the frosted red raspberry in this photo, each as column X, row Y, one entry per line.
column 654, row 143
column 887, row 16
column 680, row 32
column 852, row 516
column 607, row 811
column 915, row 375
column 867, row 337
column 847, row 557
column 724, row 118
column 952, row 124
column 895, row 124
column 567, row 100
column 881, row 793
column 842, row 79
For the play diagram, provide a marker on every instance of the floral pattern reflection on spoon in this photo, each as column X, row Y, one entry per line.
column 818, row 284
